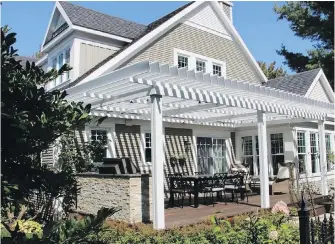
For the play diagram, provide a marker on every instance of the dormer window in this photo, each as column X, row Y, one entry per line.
column 201, row 66
column 182, row 62
column 217, row 70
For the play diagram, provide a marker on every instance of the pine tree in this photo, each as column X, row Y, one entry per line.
column 311, row 21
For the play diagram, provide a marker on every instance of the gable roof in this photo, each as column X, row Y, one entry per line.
column 156, row 29
column 94, row 20
column 298, row 83
column 148, row 29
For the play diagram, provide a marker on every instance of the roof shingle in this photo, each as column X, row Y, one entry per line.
column 148, row 29
column 91, row 19
column 298, row 83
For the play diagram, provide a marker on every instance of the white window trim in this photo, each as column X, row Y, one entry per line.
column 110, row 142
column 192, row 57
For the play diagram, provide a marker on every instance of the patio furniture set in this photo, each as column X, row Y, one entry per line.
column 220, row 183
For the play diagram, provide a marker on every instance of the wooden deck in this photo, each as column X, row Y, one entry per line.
column 182, row 216
column 178, row 216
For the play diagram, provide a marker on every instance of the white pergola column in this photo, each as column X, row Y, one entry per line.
column 157, row 162
column 263, row 159
column 323, row 157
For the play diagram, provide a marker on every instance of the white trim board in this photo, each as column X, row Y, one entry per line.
column 100, row 33
column 147, row 39
column 204, row 28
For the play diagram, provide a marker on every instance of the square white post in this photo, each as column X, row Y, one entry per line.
column 323, row 157
column 263, row 158
column 157, row 162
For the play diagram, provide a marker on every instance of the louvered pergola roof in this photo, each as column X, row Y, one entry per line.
column 191, row 97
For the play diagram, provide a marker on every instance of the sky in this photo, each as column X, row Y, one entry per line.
column 256, row 23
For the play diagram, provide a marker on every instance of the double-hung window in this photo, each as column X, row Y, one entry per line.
column 247, row 155
column 302, row 151
column 147, row 150
column 100, row 136
column 277, row 151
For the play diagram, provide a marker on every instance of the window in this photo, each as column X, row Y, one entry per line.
column 217, row 70
column 60, row 64
column 302, row 151
column 201, row 66
column 277, row 151
column 328, row 151
column 100, row 136
column 314, row 152
column 199, row 63
column 147, row 150
column 67, row 61
column 247, row 155
column 54, row 66
column 182, row 62
column 257, row 154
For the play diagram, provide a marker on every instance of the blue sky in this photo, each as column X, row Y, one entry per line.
column 255, row 21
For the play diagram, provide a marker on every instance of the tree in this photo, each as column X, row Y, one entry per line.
column 32, row 119
column 271, row 71
column 311, row 21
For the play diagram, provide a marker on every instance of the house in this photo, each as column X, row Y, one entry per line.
column 213, row 130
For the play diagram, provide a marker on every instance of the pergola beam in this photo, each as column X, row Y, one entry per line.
column 118, row 98
column 189, row 109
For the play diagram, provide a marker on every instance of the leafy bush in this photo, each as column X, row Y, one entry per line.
column 257, row 228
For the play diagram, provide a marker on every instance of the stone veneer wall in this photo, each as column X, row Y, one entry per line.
column 130, row 193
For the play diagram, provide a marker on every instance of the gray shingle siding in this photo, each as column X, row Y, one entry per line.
column 297, row 83
column 191, row 39
column 91, row 19
column 128, row 142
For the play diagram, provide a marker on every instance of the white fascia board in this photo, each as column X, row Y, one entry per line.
column 42, row 60
column 238, row 39
column 143, row 42
column 96, row 43
column 50, row 20
column 61, row 10
column 325, row 83
column 57, row 39
column 100, row 33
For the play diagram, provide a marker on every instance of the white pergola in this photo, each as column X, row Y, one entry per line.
column 159, row 92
